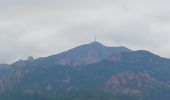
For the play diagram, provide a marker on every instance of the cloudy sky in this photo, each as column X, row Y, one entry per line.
column 45, row 27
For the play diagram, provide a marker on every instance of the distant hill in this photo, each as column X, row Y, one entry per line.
column 87, row 71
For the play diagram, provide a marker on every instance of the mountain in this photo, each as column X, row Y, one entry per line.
column 114, row 73
column 82, row 55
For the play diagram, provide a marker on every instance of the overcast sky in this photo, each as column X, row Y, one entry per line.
column 45, row 27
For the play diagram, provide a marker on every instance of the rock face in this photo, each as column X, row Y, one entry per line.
column 133, row 83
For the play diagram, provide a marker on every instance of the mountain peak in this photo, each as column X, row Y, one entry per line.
column 96, row 43
column 84, row 54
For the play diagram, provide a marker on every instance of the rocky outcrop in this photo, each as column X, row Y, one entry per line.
column 133, row 83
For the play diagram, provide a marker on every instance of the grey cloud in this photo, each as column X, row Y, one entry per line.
column 45, row 27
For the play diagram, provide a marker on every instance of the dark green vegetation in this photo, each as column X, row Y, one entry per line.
column 89, row 72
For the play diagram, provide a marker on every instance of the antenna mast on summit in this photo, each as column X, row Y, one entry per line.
column 95, row 38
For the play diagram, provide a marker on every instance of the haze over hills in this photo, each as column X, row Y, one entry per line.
column 86, row 72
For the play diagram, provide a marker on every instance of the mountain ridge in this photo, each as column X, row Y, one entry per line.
column 139, row 73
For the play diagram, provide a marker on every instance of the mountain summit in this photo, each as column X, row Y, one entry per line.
column 83, row 54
